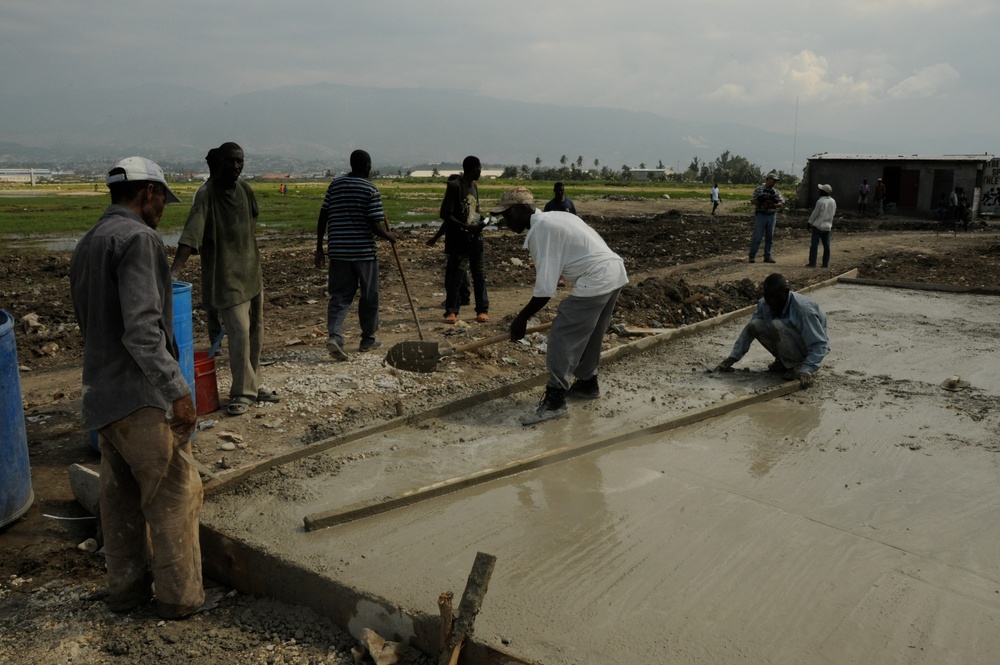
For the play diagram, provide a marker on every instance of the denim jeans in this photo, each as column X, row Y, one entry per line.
column 763, row 226
column 814, row 247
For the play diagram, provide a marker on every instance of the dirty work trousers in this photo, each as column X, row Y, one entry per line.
column 345, row 279
column 150, row 502
column 783, row 342
column 244, row 325
column 818, row 236
column 574, row 345
column 763, row 227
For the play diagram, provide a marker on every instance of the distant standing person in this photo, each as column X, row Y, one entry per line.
column 879, row 198
column 221, row 227
column 136, row 397
column 863, row 191
column 559, row 200
column 350, row 219
column 464, row 293
column 463, row 242
column 562, row 245
column 715, row 197
column 767, row 201
column 791, row 327
column 821, row 220
column 964, row 213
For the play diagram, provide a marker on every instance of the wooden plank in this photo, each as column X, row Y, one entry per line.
column 372, row 507
column 922, row 286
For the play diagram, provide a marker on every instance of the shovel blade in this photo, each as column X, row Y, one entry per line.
column 415, row 356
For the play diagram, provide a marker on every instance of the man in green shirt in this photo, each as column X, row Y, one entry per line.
column 221, row 228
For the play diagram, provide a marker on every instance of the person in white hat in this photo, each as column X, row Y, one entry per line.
column 767, row 201
column 563, row 246
column 821, row 220
column 137, row 399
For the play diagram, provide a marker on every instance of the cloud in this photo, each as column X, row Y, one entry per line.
column 927, row 82
column 805, row 75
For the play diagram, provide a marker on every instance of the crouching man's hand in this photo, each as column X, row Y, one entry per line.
column 726, row 365
column 805, row 379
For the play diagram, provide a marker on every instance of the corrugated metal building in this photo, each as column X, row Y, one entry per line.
column 914, row 183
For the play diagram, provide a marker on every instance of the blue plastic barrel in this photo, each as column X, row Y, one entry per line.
column 184, row 332
column 16, row 495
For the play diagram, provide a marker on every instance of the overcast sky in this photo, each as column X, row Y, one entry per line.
column 888, row 70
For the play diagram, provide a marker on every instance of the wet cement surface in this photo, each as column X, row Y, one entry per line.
column 857, row 521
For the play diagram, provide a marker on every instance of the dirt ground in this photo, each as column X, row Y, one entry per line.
column 684, row 266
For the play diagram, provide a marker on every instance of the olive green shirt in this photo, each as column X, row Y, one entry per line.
column 221, row 228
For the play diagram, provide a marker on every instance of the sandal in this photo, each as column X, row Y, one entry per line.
column 268, row 395
column 237, row 408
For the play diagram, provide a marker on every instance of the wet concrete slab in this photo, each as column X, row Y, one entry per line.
column 856, row 521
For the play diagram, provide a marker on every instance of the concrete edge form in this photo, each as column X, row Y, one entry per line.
column 254, row 572
column 922, row 286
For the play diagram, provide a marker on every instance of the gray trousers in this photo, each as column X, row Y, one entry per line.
column 245, row 328
column 345, row 279
column 781, row 340
column 150, row 498
column 574, row 347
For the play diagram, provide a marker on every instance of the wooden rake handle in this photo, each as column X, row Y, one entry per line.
column 402, row 276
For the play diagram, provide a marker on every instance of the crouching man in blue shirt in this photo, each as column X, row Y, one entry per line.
column 791, row 327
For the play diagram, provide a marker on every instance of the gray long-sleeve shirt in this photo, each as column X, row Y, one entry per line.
column 123, row 297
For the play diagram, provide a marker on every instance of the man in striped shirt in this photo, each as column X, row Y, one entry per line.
column 350, row 218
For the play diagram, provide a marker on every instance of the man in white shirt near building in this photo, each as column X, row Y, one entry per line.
column 563, row 246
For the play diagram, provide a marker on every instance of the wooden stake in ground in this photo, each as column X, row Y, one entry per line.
column 472, row 600
column 444, row 607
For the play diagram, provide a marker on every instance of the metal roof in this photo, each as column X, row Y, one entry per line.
column 984, row 157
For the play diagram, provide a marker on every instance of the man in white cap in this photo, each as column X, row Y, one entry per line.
column 563, row 246
column 135, row 396
column 821, row 220
column 767, row 201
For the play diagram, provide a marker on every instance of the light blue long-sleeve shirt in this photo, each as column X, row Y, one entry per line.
column 802, row 314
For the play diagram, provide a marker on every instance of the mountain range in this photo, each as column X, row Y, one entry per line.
column 317, row 126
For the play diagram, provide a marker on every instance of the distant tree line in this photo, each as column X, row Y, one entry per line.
column 725, row 169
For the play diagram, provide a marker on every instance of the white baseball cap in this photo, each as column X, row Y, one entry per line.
column 138, row 169
column 826, row 188
column 513, row 196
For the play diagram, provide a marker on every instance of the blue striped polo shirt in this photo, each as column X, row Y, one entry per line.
column 350, row 205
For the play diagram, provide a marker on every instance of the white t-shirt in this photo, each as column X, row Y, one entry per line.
column 562, row 245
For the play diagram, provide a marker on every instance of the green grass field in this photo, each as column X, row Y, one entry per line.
column 75, row 208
